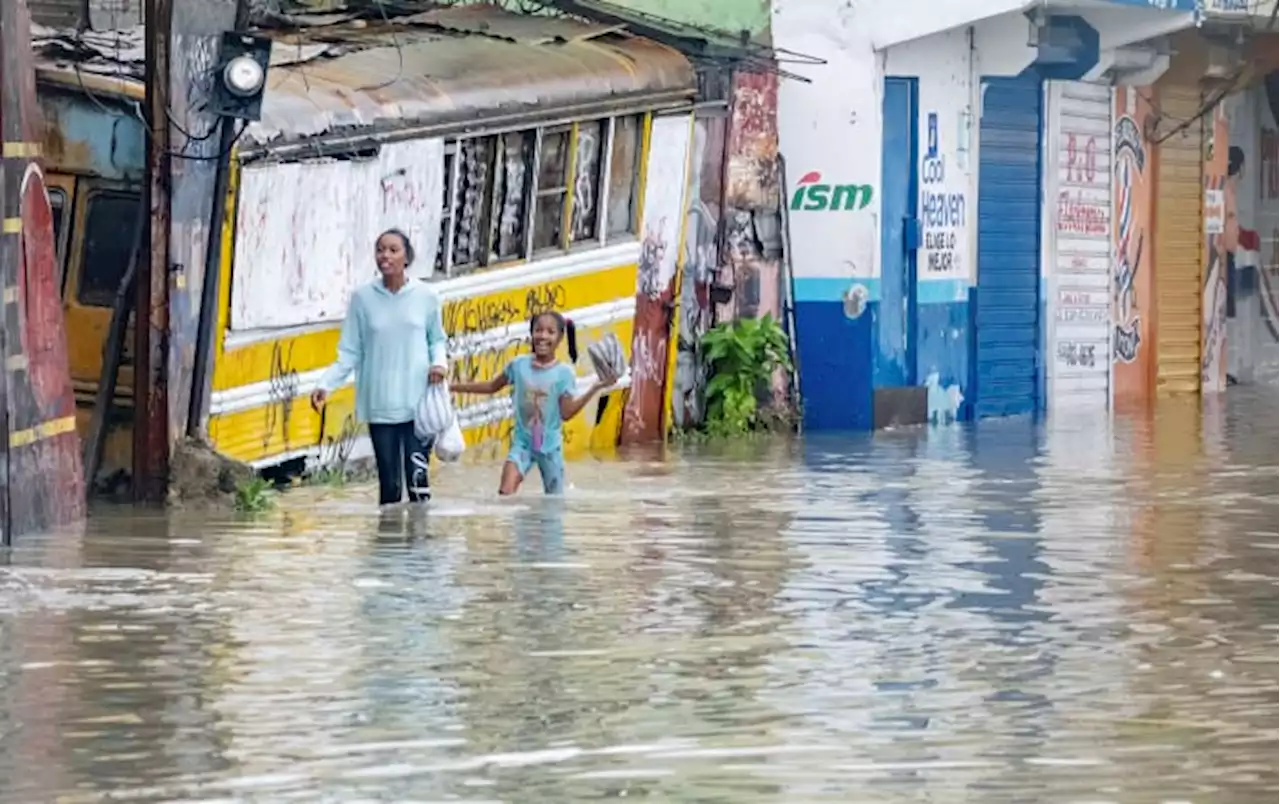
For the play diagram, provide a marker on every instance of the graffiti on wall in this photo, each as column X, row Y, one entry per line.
column 1221, row 236
column 942, row 210
column 1131, row 266
column 194, row 54
column 664, row 196
column 1130, row 162
column 701, row 253
column 752, row 200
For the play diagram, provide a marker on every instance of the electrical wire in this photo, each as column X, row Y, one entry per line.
column 1228, row 87
column 223, row 154
column 395, row 40
column 168, row 111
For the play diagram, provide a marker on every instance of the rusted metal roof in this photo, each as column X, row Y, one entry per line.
column 456, row 64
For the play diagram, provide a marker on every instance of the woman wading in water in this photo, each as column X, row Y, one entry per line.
column 394, row 342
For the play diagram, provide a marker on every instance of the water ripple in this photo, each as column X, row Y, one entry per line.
column 1083, row 610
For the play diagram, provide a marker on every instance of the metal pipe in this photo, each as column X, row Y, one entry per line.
column 209, row 300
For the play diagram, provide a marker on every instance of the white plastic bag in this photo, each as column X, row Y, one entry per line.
column 435, row 412
column 450, row 444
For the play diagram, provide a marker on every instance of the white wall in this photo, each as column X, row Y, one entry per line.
column 908, row 20
column 944, row 65
column 831, row 126
column 306, row 231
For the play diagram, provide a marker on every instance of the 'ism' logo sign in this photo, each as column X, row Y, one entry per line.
column 812, row 195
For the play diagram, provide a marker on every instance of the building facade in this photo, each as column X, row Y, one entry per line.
column 1010, row 208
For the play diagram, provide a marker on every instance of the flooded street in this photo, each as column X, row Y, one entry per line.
column 1073, row 612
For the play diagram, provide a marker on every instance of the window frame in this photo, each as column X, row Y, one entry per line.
column 82, row 252
column 494, row 259
column 533, row 192
column 641, row 173
column 605, row 126
column 65, row 185
column 445, row 241
column 65, row 204
column 563, row 190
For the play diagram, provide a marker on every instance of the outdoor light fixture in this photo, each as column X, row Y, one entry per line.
column 243, row 76
column 240, row 76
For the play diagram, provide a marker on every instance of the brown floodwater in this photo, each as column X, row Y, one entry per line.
column 1083, row 610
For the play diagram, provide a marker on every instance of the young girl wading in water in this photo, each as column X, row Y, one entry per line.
column 542, row 393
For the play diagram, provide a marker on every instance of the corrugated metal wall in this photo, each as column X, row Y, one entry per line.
column 103, row 14
column 57, row 13
column 1079, row 298
column 1007, row 331
column 1179, row 244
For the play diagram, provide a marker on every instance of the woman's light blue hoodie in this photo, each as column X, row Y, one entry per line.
column 391, row 341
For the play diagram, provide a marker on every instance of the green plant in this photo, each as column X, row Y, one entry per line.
column 334, row 476
column 254, row 495
column 742, row 357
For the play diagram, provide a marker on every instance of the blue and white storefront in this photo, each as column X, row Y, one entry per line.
column 950, row 201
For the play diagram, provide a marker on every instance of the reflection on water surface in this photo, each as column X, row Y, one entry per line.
column 1081, row 611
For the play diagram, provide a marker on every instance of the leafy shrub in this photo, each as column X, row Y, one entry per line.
column 742, row 357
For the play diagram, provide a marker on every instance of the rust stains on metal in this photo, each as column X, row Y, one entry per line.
column 99, row 85
column 457, row 64
column 43, row 484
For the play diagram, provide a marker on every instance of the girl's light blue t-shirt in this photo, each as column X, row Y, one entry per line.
column 535, row 394
column 390, row 341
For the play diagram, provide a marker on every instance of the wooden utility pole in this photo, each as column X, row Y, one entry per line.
column 150, row 391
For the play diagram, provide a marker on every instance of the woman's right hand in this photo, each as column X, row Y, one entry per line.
column 318, row 398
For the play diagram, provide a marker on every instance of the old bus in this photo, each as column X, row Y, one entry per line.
column 524, row 156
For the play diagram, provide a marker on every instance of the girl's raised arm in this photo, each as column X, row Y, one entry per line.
column 570, row 405
column 480, row 387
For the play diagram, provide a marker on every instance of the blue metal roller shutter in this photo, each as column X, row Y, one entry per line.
column 1007, row 303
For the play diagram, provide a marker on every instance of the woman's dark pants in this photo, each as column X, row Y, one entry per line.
column 399, row 454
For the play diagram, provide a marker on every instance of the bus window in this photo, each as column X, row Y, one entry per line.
column 110, row 225
column 58, row 205
column 586, row 180
column 553, row 176
column 624, row 174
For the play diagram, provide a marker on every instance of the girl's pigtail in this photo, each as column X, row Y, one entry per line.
column 571, row 335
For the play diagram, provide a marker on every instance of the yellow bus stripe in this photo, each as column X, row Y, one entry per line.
column 263, row 360
column 21, row 150
column 41, row 431
column 289, row 424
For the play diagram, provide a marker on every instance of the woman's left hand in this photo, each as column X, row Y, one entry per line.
column 436, row 375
